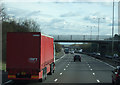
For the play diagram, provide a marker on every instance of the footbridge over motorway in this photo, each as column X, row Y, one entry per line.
column 84, row 38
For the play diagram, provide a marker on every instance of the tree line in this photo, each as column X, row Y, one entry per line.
column 10, row 24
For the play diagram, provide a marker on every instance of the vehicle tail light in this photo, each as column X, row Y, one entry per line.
column 34, row 76
column 11, row 76
column 117, row 75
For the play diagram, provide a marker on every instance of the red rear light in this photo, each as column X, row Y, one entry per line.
column 117, row 75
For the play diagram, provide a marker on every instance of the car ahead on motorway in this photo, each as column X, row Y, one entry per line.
column 98, row 54
column 116, row 76
column 115, row 56
column 108, row 56
column 77, row 57
column 72, row 52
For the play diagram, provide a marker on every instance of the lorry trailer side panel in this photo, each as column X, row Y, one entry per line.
column 47, row 51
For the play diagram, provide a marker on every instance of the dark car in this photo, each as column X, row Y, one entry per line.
column 77, row 57
column 116, row 76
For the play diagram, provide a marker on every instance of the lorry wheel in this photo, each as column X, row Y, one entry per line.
column 44, row 75
column 80, row 60
column 51, row 69
column 40, row 80
column 112, row 82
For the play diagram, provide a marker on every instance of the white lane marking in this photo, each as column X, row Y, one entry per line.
column 94, row 74
column 106, row 63
column 91, row 69
column 8, row 82
column 66, row 66
column 109, row 65
column 60, row 58
column 57, row 60
column 63, row 56
column 89, row 66
column 98, row 81
column 64, row 69
column 60, row 73
column 55, row 80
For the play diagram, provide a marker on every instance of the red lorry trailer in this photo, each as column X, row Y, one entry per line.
column 30, row 55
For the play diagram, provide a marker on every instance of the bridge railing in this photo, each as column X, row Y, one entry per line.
column 81, row 37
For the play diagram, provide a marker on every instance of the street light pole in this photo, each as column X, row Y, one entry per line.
column 113, row 30
column 98, row 27
column 91, row 32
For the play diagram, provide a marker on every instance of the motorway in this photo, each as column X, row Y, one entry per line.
column 88, row 71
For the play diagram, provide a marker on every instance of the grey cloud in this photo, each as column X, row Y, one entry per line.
column 70, row 14
column 93, row 18
column 37, row 13
column 115, row 24
column 33, row 13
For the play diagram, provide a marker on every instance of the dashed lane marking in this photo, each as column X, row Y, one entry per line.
column 94, row 74
column 66, row 66
column 55, row 80
column 98, row 81
column 91, row 69
column 64, row 69
column 60, row 73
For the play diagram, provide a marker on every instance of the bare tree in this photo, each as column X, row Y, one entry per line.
column 3, row 14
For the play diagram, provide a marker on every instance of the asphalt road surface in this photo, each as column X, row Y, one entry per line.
column 88, row 71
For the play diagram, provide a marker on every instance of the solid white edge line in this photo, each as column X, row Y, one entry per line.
column 63, row 56
column 106, row 63
column 60, row 58
column 8, row 82
column 56, row 60
column 109, row 65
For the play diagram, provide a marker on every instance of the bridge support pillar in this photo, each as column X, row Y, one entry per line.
column 103, row 49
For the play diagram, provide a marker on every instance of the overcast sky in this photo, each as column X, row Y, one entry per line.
column 66, row 16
